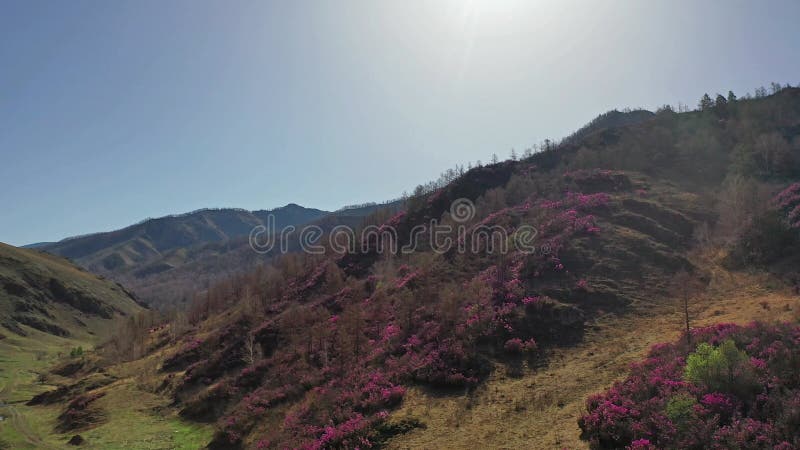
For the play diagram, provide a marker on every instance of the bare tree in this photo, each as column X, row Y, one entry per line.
column 252, row 351
column 741, row 199
column 687, row 287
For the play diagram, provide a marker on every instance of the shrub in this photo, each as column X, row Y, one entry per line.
column 81, row 413
column 766, row 240
column 517, row 346
column 723, row 368
column 680, row 410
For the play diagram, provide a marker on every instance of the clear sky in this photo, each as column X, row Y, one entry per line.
column 114, row 111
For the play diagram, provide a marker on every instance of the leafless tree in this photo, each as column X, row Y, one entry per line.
column 252, row 351
column 687, row 287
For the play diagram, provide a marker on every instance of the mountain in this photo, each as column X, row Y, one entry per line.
column 140, row 253
column 150, row 239
column 164, row 260
column 37, row 245
column 336, row 351
column 47, row 293
column 174, row 278
column 618, row 239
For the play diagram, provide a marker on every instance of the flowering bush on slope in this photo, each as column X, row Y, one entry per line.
column 788, row 201
column 739, row 388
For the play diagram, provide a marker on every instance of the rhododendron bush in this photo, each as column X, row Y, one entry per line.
column 739, row 387
column 788, row 201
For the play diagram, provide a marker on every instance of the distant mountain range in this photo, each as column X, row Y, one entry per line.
column 149, row 240
column 208, row 242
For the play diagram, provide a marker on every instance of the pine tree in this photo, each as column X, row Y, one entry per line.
column 705, row 103
column 721, row 106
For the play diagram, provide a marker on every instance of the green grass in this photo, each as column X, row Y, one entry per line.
column 135, row 419
column 146, row 432
column 134, row 423
column 21, row 360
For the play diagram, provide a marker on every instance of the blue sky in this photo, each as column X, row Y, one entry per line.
column 111, row 112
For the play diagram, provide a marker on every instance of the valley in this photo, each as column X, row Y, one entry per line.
column 399, row 225
column 435, row 348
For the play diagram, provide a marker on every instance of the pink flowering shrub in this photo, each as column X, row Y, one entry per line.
column 531, row 300
column 343, row 412
column 641, row 444
column 395, row 219
column 190, row 352
column 517, row 346
column 788, row 201
column 658, row 406
column 578, row 201
column 407, row 279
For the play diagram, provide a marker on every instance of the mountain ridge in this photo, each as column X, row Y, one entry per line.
column 157, row 258
column 148, row 240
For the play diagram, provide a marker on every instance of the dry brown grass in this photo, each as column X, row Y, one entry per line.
column 541, row 409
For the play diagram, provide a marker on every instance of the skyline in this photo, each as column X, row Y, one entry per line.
column 111, row 113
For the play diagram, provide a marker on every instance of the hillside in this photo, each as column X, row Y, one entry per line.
column 472, row 344
column 48, row 308
column 49, row 294
column 541, row 408
column 610, row 120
